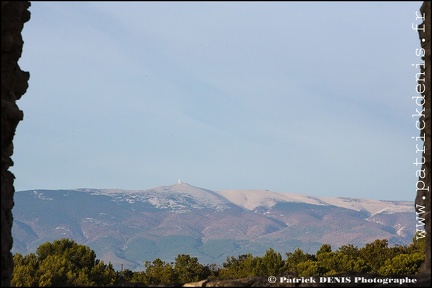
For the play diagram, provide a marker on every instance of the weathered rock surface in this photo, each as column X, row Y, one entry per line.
column 424, row 195
column 13, row 86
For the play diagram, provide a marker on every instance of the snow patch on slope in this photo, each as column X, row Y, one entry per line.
column 41, row 196
column 183, row 196
column 178, row 197
column 251, row 199
column 371, row 206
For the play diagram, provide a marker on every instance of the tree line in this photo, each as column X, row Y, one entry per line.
column 66, row 263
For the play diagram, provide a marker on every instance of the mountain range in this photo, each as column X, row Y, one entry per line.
column 129, row 227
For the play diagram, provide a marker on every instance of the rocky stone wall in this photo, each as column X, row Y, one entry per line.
column 424, row 187
column 13, row 86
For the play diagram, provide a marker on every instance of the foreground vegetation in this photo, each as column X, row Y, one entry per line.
column 66, row 263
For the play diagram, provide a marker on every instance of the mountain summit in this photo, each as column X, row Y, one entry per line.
column 178, row 197
column 131, row 226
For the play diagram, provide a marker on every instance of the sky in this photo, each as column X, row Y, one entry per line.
column 303, row 97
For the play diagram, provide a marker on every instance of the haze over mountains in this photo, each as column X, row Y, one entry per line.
column 131, row 226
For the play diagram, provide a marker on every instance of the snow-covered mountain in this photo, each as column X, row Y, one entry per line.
column 251, row 199
column 131, row 226
column 179, row 197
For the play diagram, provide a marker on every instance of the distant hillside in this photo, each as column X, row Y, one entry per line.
column 130, row 227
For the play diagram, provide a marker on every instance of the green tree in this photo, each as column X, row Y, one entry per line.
column 350, row 250
column 270, row 264
column 79, row 255
column 159, row 272
column 418, row 244
column 344, row 260
column 403, row 264
column 308, row 268
column 188, row 269
column 375, row 254
column 328, row 261
column 239, row 267
column 25, row 268
column 124, row 276
column 102, row 274
column 294, row 259
column 137, row 277
column 350, row 260
column 325, row 248
column 53, row 271
column 214, row 270
column 62, row 263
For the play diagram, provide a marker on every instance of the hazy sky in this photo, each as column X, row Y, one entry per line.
column 311, row 98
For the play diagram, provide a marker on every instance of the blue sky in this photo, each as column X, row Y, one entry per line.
column 311, row 98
